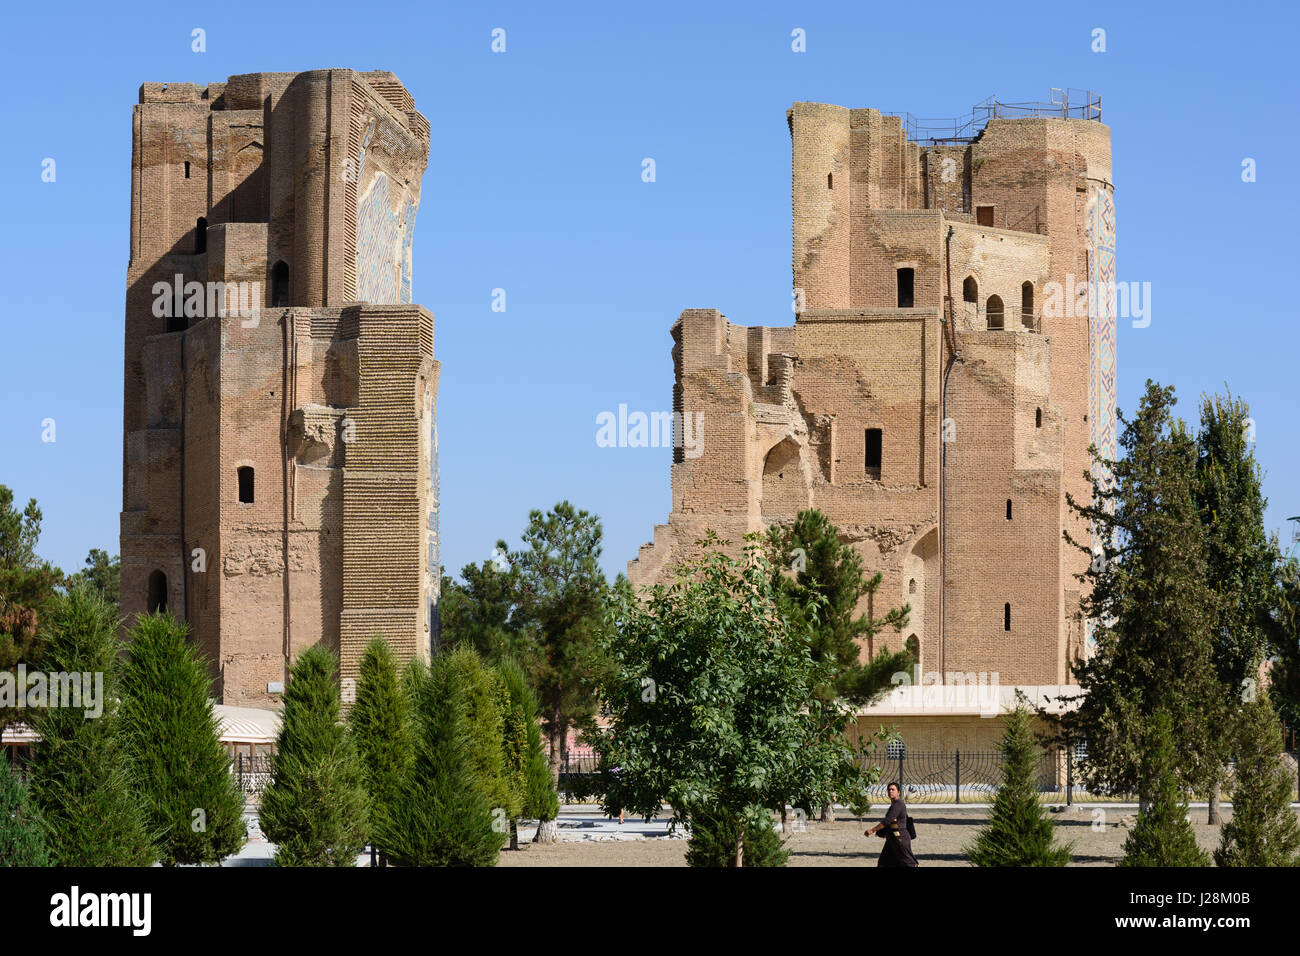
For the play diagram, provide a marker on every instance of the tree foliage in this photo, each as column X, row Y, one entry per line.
column 22, row 828
column 193, row 807
column 381, row 724
column 1152, row 608
column 26, row 583
column 822, row 594
column 1018, row 832
column 1263, row 829
column 712, row 702
column 82, row 782
column 315, row 808
column 1162, row 836
column 443, row 813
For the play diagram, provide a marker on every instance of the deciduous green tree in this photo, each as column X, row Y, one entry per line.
column 26, row 583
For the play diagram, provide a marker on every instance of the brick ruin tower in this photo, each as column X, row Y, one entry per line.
column 940, row 386
column 279, row 454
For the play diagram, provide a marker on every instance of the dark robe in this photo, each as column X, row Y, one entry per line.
column 897, row 850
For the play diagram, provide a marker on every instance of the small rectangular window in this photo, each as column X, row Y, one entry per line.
column 187, row 169
column 875, row 450
column 906, row 284
column 245, row 475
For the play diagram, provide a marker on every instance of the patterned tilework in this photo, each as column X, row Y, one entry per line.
column 383, row 238
column 1101, row 328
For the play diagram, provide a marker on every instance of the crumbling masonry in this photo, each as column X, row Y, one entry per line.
column 280, row 452
column 928, row 398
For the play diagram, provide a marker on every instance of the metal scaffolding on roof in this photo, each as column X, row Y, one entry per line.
column 1063, row 104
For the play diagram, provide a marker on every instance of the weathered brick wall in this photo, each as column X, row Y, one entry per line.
column 274, row 163
column 786, row 423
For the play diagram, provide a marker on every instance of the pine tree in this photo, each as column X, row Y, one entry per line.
column 315, row 809
column 442, row 814
column 1263, row 830
column 192, row 804
column 380, row 721
column 81, row 778
column 1163, row 836
column 1018, row 832
column 1152, row 609
column 22, row 829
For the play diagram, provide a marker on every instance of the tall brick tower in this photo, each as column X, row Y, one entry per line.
column 940, row 386
column 280, row 446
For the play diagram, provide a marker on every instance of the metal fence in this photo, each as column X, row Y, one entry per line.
column 973, row 776
column 252, row 773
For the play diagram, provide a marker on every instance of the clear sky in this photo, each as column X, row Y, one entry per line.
column 534, row 186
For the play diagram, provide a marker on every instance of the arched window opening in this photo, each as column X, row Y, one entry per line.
column 245, row 485
column 993, row 311
column 906, row 288
column 1038, row 418
column 911, row 586
column 280, row 285
column 1008, row 509
column 830, row 181
column 970, row 290
column 157, row 592
column 913, row 646
column 1027, row 305
column 1006, row 617
column 201, row 235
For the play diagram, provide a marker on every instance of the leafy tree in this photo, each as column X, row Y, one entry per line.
column 823, row 593
column 82, row 781
column 1163, row 836
column 442, row 814
column 101, row 573
column 715, row 835
column 561, row 598
column 315, row 808
column 192, row 804
column 26, row 583
column 1284, row 640
column 1018, row 832
column 1240, row 559
column 380, row 721
column 1152, row 608
column 712, row 700
column 22, row 829
column 1263, row 830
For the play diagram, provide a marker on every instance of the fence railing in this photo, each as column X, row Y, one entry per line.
column 252, row 772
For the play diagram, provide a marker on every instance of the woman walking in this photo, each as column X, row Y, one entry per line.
column 897, row 850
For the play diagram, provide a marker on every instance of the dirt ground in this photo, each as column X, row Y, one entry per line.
column 941, row 834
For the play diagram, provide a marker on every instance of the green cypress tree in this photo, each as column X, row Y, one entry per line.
column 1163, row 836
column 714, row 835
column 192, row 803
column 525, row 755
column 1263, row 830
column 315, row 809
column 442, row 814
column 380, row 721
column 82, row 781
column 1018, row 832
column 22, row 829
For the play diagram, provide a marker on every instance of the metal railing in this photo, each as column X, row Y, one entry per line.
column 252, row 772
column 1062, row 104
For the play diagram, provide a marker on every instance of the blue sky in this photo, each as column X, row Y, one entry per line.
column 534, row 186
